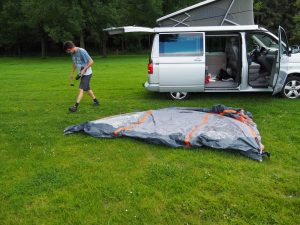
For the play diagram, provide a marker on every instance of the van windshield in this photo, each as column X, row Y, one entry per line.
column 181, row 44
column 264, row 40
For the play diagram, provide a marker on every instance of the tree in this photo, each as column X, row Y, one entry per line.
column 12, row 19
column 32, row 21
column 65, row 23
column 296, row 20
column 56, row 19
column 272, row 13
column 99, row 15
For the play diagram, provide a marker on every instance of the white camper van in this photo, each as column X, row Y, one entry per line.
column 244, row 58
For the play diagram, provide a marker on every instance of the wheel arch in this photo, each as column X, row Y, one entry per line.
column 293, row 75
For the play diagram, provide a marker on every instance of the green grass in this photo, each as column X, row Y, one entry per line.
column 49, row 178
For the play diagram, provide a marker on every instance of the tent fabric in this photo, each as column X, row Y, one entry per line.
column 219, row 127
column 211, row 13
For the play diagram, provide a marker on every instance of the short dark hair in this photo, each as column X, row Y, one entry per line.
column 68, row 45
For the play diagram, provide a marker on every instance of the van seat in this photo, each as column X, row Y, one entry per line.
column 254, row 67
column 254, row 71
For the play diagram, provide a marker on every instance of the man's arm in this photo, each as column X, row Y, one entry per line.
column 88, row 65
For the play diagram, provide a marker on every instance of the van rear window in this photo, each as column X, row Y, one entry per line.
column 181, row 44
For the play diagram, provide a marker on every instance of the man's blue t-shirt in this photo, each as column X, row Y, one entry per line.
column 80, row 59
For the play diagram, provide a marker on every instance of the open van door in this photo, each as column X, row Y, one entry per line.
column 280, row 67
column 128, row 29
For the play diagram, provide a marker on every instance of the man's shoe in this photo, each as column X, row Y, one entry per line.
column 96, row 103
column 73, row 108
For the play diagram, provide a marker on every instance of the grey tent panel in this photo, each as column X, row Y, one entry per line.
column 219, row 127
column 212, row 13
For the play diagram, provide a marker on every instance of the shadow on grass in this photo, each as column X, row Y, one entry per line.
column 209, row 96
column 228, row 96
column 213, row 152
column 162, row 149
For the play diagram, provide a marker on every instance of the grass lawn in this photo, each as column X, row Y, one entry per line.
column 49, row 178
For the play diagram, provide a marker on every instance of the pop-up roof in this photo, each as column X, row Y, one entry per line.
column 211, row 13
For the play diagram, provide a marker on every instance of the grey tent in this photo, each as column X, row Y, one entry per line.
column 219, row 127
column 211, row 13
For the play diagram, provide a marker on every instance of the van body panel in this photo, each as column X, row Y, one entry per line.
column 181, row 74
column 249, row 89
column 154, row 77
column 182, row 61
column 154, row 58
column 294, row 64
column 185, row 88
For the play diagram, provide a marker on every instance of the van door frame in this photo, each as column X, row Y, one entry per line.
column 242, row 60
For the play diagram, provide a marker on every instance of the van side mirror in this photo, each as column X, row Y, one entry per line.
column 295, row 49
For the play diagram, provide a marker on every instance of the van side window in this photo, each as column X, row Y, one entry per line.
column 215, row 43
column 180, row 45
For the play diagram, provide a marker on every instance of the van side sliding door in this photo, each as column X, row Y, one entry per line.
column 182, row 61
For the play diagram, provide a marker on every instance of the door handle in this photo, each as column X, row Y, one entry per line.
column 198, row 60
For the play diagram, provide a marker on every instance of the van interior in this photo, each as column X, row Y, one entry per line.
column 262, row 50
column 223, row 61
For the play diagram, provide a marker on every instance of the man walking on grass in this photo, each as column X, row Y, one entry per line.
column 82, row 61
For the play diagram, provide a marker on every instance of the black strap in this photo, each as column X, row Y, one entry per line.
column 267, row 154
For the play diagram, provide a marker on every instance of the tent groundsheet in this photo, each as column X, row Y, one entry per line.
column 219, row 127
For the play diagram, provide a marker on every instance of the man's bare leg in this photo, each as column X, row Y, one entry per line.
column 91, row 94
column 79, row 97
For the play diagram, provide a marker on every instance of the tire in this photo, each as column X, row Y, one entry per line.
column 179, row 95
column 291, row 88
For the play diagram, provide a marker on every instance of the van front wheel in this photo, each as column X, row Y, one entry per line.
column 179, row 95
column 291, row 88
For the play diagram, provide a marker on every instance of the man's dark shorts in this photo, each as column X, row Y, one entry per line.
column 85, row 82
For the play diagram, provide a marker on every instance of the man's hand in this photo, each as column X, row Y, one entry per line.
column 71, row 79
column 82, row 72
column 71, row 74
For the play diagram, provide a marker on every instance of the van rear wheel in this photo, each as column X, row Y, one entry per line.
column 179, row 95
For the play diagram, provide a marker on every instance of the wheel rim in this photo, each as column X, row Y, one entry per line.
column 292, row 89
column 178, row 95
